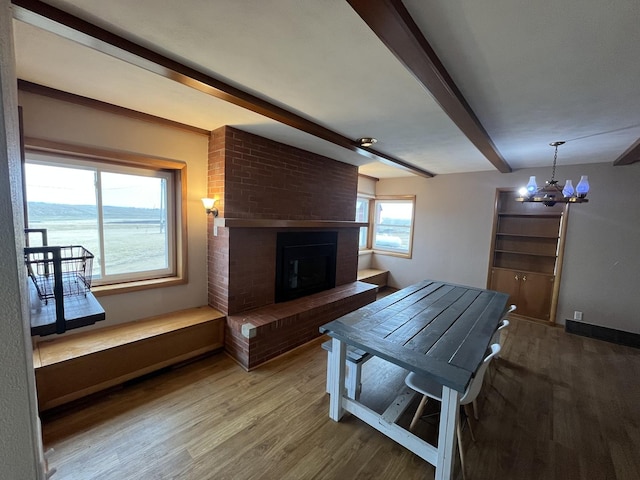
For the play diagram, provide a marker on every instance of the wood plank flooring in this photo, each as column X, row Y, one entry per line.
column 556, row 406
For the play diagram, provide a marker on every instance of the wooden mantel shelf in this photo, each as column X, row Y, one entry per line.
column 274, row 223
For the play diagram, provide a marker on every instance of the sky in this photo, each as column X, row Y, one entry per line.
column 397, row 210
column 75, row 186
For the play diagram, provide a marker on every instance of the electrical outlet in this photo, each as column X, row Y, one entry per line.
column 577, row 315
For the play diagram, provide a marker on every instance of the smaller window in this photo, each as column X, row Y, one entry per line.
column 393, row 225
column 362, row 215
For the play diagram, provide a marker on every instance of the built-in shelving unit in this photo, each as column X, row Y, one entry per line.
column 526, row 254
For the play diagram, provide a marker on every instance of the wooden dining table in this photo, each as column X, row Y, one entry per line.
column 436, row 329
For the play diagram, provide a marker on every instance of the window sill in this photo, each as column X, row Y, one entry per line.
column 118, row 288
column 367, row 251
column 392, row 254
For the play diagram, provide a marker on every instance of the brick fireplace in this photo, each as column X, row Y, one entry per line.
column 265, row 188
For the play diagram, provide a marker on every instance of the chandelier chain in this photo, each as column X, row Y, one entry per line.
column 553, row 171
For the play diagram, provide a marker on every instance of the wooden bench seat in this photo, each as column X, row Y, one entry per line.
column 355, row 359
column 73, row 366
column 374, row 276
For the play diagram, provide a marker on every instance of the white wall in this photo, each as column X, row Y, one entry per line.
column 601, row 275
column 366, row 188
column 51, row 119
column 20, row 444
column 601, row 271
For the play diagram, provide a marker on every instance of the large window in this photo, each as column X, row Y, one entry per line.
column 125, row 215
column 393, row 225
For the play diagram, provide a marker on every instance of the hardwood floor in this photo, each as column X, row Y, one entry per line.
column 556, row 406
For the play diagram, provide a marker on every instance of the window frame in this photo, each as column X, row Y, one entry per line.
column 177, row 169
column 374, row 225
column 369, row 199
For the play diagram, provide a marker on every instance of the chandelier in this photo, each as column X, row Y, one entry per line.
column 552, row 193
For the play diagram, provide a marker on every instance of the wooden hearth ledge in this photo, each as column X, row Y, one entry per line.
column 275, row 223
column 257, row 336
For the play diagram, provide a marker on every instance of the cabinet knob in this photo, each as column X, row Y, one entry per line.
column 524, row 278
column 517, row 278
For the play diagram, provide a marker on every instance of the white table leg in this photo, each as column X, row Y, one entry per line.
column 336, row 374
column 329, row 370
column 447, row 433
column 353, row 380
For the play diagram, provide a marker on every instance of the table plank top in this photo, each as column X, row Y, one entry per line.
column 437, row 329
column 79, row 311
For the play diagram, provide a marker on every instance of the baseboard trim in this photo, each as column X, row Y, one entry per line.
column 612, row 335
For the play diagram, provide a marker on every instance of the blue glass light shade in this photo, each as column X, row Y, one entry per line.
column 583, row 186
column 568, row 189
column 532, row 187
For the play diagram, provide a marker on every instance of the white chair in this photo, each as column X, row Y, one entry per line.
column 497, row 338
column 502, row 325
column 432, row 389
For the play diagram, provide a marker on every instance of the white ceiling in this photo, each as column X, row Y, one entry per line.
column 532, row 71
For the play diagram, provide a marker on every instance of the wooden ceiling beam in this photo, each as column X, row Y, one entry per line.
column 631, row 155
column 59, row 22
column 392, row 23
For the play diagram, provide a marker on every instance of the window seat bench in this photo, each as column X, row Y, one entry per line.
column 373, row 276
column 73, row 366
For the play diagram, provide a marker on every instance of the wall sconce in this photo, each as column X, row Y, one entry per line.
column 209, row 206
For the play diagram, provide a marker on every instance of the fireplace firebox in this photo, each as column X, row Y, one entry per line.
column 305, row 263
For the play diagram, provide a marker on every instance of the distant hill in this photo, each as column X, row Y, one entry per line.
column 40, row 211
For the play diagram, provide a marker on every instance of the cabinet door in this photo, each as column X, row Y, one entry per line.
column 507, row 281
column 534, row 298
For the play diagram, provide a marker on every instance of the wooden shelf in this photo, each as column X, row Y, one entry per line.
column 526, row 272
column 275, row 223
column 522, row 235
column 530, row 215
column 527, row 253
column 529, row 225
column 524, row 263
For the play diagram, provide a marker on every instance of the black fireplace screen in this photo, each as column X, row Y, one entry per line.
column 306, row 263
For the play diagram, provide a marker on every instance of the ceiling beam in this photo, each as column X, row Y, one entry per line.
column 631, row 155
column 392, row 23
column 54, row 20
